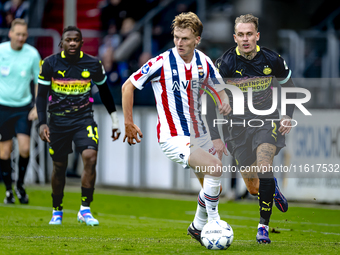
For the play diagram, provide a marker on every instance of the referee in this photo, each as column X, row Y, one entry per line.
column 19, row 63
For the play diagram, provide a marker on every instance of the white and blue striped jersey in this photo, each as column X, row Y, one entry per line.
column 177, row 87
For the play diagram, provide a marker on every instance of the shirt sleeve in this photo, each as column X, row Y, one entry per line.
column 150, row 71
column 282, row 72
column 46, row 73
column 36, row 67
column 214, row 77
column 99, row 77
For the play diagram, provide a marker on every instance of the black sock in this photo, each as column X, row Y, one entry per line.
column 266, row 196
column 86, row 196
column 6, row 171
column 57, row 201
column 23, row 162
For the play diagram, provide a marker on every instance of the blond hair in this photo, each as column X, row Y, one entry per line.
column 18, row 22
column 188, row 20
column 248, row 18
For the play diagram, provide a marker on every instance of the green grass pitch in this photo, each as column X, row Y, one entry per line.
column 132, row 223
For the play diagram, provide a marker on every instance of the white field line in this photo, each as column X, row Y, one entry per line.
column 42, row 208
column 227, row 216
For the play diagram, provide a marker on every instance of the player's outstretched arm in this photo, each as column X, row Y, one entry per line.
column 132, row 131
column 107, row 99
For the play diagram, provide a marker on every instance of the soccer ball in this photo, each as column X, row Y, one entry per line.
column 217, row 235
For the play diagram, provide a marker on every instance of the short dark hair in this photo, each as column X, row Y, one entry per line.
column 70, row 28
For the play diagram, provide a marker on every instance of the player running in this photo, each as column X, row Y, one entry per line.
column 247, row 66
column 67, row 78
column 181, row 133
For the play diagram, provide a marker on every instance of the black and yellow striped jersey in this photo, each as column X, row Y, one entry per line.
column 70, row 82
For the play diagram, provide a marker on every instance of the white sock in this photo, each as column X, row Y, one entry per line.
column 262, row 225
column 211, row 187
column 84, row 207
column 201, row 215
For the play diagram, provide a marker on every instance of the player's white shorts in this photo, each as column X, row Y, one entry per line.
column 179, row 148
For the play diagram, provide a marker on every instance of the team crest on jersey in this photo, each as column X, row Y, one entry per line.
column 218, row 67
column 145, row 68
column 85, row 73
column 200, row 69
column 267, row 70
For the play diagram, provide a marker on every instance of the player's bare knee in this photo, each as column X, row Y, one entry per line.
column 5, row 154
column 59, row 168
column 89, row 158
column 216, row 168
column 24, row 151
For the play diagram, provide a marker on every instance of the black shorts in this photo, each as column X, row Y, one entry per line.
column 84, row 135
column 13, row 121
column 243, row 148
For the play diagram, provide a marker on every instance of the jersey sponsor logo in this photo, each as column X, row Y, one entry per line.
column 256, row 83
column 239, row 72
column 85, row 73
column 267, row 70
column 145, row 68
column 71, row 87
column 176, row 86
column 61, row 73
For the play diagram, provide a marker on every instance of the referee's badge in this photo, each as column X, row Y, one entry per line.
column 5, row 70
column 85, row 73
column 267, row 70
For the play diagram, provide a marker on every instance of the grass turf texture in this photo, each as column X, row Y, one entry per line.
column 132, row 223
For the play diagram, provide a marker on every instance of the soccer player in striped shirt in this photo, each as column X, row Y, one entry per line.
column 181, row 133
